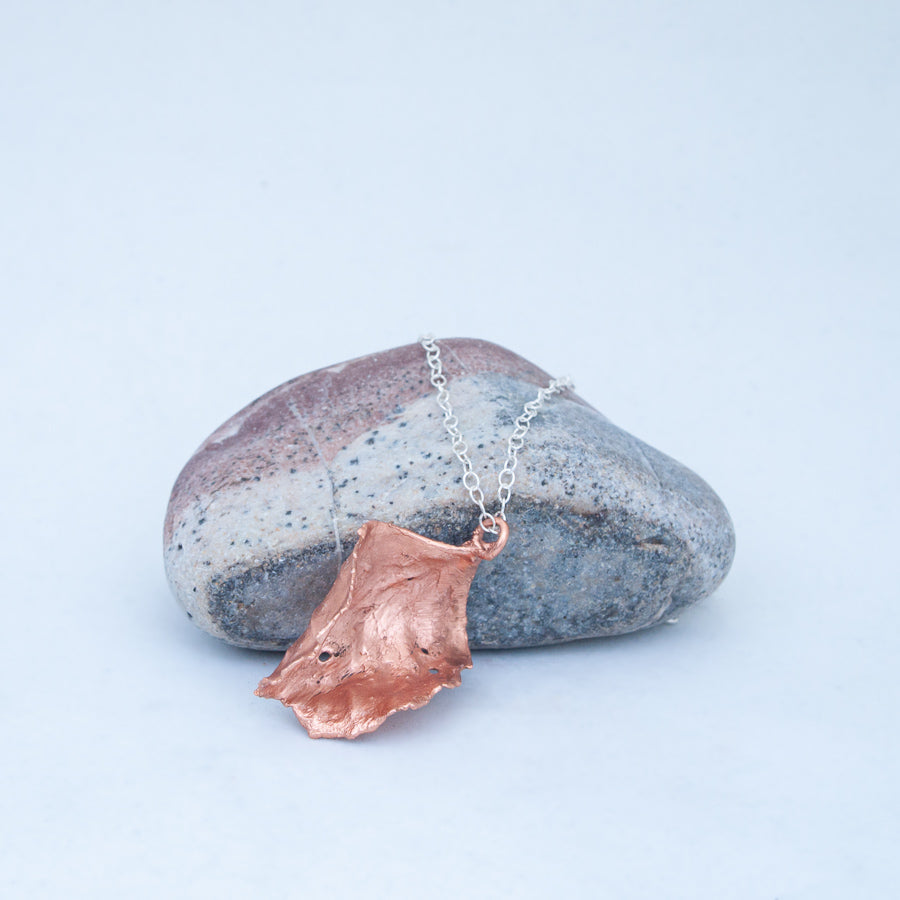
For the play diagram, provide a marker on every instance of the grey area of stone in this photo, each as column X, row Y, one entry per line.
column 608, row 535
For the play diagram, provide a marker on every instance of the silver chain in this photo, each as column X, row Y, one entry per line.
column 507, row 476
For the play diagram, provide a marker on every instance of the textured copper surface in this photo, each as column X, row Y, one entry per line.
column 390, row 634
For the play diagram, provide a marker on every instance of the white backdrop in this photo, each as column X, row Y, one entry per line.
column 690, row 208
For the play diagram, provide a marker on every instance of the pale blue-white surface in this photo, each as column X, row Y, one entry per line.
column 692, row 209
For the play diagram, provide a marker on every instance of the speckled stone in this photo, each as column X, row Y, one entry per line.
column 607, row 536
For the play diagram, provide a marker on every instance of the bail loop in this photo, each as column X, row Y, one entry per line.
column 488, row 523
column 490, row 550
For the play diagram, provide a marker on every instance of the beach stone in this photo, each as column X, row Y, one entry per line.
column 607, row 534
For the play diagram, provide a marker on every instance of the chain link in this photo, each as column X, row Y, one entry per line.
column 507, row 477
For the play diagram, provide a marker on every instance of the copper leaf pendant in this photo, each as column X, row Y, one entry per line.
column 388, row 636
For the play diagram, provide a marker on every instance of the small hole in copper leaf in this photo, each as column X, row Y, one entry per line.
column 432, row 671
column 324, row 656
column 424, row 651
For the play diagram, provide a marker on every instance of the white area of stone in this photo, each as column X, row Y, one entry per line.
column 243, row 525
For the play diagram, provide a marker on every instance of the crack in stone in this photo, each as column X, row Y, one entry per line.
column 637, row 446
column 452, row 353
column 338, row 546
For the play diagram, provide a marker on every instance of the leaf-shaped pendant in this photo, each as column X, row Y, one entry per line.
column 388, row 636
